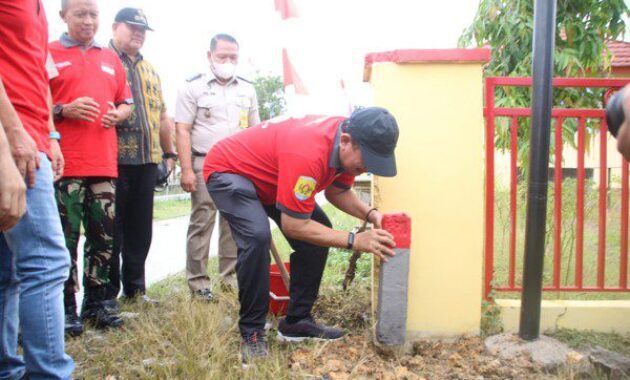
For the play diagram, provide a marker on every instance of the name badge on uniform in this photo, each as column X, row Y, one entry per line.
column 108, row 70
column 244, row 119
column 61, row 65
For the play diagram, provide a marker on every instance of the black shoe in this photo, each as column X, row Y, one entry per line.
column 203, row 295
column 306, row 328
column 101, row 318
column 73, row 325
column 96, row 309
column 253, row 347
column 112, row 306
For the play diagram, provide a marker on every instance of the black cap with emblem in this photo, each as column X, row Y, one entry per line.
column 132, row 16
column 376, row 132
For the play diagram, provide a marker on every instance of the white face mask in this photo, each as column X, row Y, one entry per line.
column 224, row 71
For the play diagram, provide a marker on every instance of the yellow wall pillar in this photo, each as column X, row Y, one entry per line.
column 436, row 97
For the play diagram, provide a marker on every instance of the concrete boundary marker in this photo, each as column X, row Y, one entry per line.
column 391, row 326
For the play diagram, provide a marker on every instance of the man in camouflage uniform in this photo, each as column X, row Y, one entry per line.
column 90, row 201
column 90, row 97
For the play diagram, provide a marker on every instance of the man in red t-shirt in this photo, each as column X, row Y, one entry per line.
column 90, row 97
column 274, row 170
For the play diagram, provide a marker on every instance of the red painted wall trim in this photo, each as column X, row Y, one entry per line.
column 426, row 56
column 398, row 225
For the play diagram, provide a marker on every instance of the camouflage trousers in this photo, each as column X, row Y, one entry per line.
column 89, row 201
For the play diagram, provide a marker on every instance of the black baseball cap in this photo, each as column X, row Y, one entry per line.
column 132, row 16
column 376, row 132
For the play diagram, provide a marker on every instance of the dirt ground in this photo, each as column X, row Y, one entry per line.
column 357, row 358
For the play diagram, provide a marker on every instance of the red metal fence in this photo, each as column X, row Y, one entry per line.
column 561, row 116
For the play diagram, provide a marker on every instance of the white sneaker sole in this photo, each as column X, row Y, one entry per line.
column 294, row 339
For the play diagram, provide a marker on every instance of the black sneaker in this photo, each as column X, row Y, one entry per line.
column 306, row 328
column 112, row 306
column 73, row 325
column 253, row 347
column 204, row 295
column 101, row 317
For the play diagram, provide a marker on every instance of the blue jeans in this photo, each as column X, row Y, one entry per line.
column 34, row 264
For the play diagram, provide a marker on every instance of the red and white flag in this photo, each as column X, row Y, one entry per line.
column 286, row 8
column 291, row 77
column 310, row 87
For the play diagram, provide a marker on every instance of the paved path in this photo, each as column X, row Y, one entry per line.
column 168, row 250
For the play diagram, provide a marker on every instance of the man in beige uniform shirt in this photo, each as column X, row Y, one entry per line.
column 209, row 108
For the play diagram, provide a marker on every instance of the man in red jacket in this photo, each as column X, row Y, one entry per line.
column 90, row 97
column 274, row 170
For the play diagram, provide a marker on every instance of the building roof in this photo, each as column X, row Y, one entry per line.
column 620, row 51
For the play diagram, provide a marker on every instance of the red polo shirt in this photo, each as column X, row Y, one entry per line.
column 23, row 52
column 89, row 149
column 288, row 161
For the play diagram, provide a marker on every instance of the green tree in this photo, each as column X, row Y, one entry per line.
column 270, row 92
column 582, row 28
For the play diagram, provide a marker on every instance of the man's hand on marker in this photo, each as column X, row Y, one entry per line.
column 376, row 241
column 188, row 181
column 375, row 217
column 84, row 108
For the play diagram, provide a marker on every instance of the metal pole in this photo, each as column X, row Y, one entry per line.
column 542, row 68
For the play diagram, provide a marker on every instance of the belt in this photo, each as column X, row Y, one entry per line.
column 197, row 154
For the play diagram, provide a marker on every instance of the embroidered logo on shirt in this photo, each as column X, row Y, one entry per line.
column 304, row 187
column 108, row 70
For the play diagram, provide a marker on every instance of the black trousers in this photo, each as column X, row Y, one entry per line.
column 133, row 228
column 235, row 197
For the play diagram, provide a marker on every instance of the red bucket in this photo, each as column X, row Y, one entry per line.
column 278, row 293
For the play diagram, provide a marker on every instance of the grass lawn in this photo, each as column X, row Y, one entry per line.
column 181, row 339
column 170, row 209
column 568, row 242
column 584, row 339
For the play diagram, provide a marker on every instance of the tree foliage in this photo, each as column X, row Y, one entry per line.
column 270, row 92
column 582, row 29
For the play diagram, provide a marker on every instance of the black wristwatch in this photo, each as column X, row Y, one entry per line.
column 350, row 240
column 58, row 112
column 169, row 155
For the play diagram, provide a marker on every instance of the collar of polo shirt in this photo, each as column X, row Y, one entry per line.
column 68, row 42
column 334, row 161
column 124, row 55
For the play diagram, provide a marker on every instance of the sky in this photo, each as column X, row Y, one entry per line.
column 327, row 43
